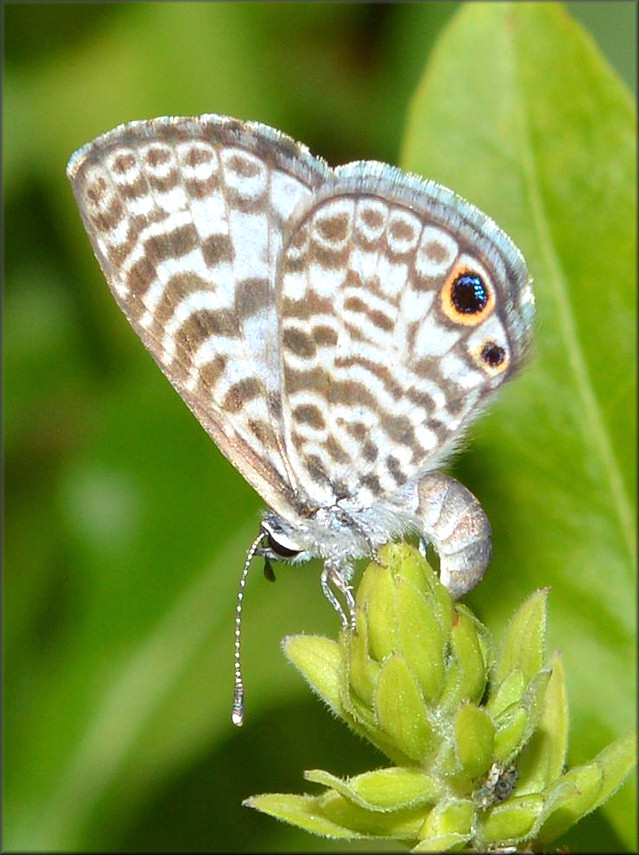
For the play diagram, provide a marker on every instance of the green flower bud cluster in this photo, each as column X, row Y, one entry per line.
column 478, row 739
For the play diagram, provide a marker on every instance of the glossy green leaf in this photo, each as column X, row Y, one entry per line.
column 518, row 112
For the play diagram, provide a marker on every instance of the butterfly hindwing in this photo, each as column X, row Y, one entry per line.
column 385, row 330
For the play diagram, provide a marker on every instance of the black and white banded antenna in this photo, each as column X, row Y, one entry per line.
column 238, row 709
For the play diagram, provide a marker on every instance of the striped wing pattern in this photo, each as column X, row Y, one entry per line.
column 380, row 377
column 187, row 219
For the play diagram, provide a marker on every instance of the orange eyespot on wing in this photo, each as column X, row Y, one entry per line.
column 492, row 357
column 468, row 296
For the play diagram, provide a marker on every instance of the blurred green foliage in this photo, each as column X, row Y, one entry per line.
column 125, row 529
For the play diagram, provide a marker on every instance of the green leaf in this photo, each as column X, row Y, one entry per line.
column 421, row 638
column 512, row 726
column 302, row 811
column 400, row 709
column 474, row 739
column 518, row 112
column 318, row 660
column 517, row 723
column 401, row 824
column 405, row 562
column 362, row 670
column 454, row 816
column 509, row 691
column 512, row 820
column 523, row 644
column 615, row 762
column 573, row 803
column 543, row 757
column 383, row 789
column 442, row 843
column 466, row 676
column 376, row 595
column 359, row 714
column 585, row 788
column 408, row 564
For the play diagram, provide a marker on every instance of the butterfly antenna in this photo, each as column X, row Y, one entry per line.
column 237, row 714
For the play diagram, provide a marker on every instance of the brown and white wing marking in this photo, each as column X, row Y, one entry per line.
column 186, row 218
column 402, row 308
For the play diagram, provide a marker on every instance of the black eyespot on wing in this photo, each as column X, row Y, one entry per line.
column 469, row 294
column 493, row 354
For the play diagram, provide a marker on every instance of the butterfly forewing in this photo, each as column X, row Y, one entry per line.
column 187, row 219
column 381, row 371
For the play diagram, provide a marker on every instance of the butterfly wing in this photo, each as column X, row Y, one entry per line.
column 402, row 308
column 186, row 218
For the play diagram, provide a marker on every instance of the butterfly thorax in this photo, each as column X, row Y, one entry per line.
column 340, row 532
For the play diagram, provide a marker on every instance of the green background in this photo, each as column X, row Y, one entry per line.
column 125, row 529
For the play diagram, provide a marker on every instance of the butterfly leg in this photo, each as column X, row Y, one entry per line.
column 332, row 574
column 455, row 523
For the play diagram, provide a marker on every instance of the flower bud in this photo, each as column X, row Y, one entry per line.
column 413, row 678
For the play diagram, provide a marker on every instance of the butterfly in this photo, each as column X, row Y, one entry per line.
column 335, row 331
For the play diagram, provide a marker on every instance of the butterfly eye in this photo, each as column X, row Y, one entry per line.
column 280, row 550
column 467, row 296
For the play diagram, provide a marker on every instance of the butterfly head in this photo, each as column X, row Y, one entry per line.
column 280, row 545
